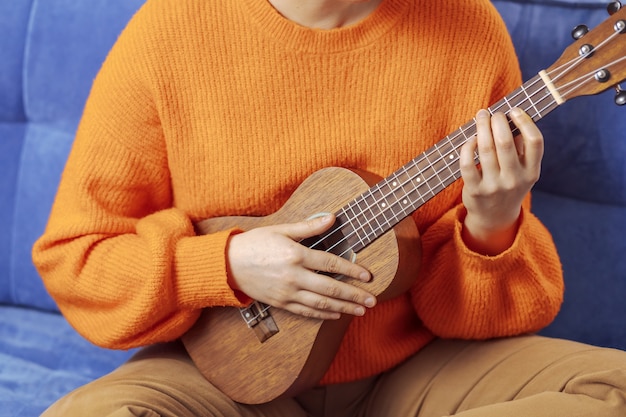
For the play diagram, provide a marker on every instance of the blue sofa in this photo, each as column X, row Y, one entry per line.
column 50, row 51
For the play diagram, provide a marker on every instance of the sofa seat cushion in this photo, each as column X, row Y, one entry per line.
column 43, row 358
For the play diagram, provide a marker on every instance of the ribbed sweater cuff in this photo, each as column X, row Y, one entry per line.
column 202, row 274
column 499, row 263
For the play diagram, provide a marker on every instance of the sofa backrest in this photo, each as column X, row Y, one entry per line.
column 12, row 124
column 51, row 51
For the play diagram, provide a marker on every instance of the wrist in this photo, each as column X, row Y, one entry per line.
column 487, row 238
column 230, row 278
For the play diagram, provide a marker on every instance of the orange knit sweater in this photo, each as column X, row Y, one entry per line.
column 209, row 108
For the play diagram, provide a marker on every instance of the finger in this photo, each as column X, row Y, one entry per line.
column 324, row 304
column 324, row 297
column 506, row 149
column 319, row 260
column 308, row 228
column 532, row 139
column 485, row 143
column 309, row 312
column 469, row 171
column 340, row 292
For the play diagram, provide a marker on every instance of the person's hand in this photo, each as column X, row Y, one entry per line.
column 494, row 190
column 269, row 265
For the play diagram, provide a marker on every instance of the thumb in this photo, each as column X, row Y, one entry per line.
column 313, row 226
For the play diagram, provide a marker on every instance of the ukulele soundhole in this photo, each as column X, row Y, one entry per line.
column 258, row 318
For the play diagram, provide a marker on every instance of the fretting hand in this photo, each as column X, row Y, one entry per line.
column 494, row 191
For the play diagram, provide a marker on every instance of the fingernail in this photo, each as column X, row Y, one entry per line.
column 516, row 111
column 359, row 311
column 322, row 217
column 482, row 113
column 370, row 302
column 325, row 218
column 364, row 276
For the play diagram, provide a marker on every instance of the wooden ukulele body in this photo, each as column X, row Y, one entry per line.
column 231, row 355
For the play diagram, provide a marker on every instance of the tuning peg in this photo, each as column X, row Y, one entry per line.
column 620, row 96
column 613, row 7
column 579, row 31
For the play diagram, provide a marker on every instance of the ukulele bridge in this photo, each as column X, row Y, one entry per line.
column 258, row 318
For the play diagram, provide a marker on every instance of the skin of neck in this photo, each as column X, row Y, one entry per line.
column 325, row 14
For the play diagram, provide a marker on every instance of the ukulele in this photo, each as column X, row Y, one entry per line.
column 258, row 353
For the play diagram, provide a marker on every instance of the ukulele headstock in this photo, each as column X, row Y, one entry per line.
column 596, row 61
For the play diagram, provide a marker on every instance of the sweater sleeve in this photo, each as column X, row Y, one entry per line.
column 463, row 294
column 122, row 262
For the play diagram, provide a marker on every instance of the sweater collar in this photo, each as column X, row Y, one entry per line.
column 304, row 39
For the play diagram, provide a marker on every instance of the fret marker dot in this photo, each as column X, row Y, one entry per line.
column 419, row 180
column 384, row 205
column 451, row 156
column 404, row 202
column 395, row 184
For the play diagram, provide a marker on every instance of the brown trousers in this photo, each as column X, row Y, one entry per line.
column 527, row 376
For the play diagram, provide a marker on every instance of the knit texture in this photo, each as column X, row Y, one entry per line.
column 207, row 108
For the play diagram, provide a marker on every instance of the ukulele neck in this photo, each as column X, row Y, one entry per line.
column 384, row 205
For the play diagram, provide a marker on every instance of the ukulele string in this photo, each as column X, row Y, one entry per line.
column 583, row 79
column 566, row 67
column 575, row 62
